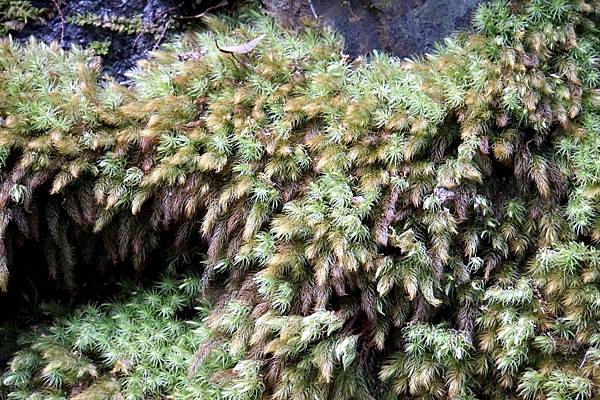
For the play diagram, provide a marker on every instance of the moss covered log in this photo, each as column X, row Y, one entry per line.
column 369, row 229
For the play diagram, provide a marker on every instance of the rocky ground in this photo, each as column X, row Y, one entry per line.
column 400, row 27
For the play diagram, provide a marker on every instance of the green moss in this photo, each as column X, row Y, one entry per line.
column 14, row 14
column 373, row 228
column 100, row 48
column 120, row 24
column 136, row 347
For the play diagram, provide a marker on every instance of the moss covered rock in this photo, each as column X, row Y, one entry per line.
column 423, row 228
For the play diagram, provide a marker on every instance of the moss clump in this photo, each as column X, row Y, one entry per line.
column 14, row 14
column 100, row 48
column 136, row 347
column 424, row 228
column 120, row 24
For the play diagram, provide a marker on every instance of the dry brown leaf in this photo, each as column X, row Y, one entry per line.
column 243, row 48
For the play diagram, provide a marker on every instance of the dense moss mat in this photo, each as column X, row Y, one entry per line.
column 373, row 228
column 135, row 347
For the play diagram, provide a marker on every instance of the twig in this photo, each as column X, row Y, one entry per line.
column 168, row 24
column 312, row 8
column 163, row 14
column 354, row 16
column 162, row 35
column 233, row 55
column 62, row 21
column 202, row 14
column 139, row 35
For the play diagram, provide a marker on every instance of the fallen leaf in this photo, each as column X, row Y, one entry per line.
column 243, row 48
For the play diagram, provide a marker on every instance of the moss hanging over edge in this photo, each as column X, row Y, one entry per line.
column 426, row 228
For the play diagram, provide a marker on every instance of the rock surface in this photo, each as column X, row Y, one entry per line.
column 401, row 27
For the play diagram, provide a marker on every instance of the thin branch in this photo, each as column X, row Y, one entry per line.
column 312, row 8
column 162, row 35
column 202, row 14
column 62, row 21
column 156, row 18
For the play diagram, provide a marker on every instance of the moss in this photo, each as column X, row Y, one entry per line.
column 120, row 24
column 100, row 48
column 135, row 347
column 14, row 14
column 373, row 228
